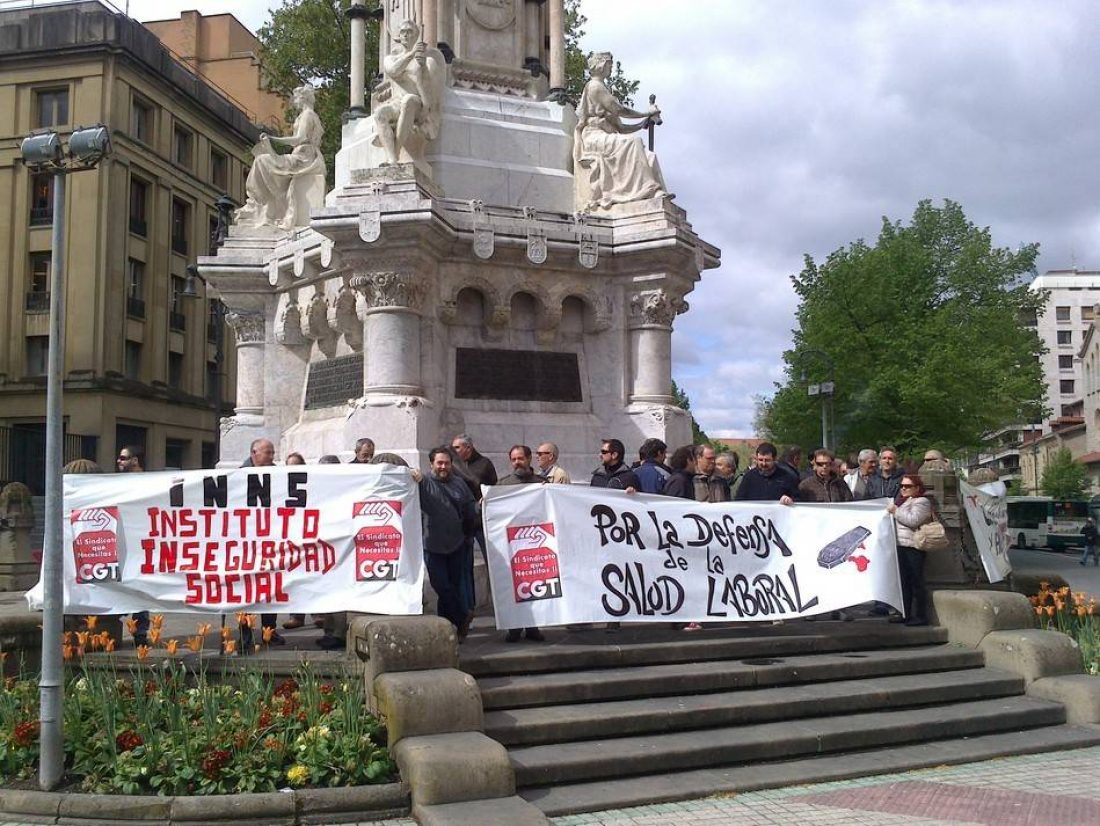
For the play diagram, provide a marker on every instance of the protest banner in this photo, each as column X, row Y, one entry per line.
column 567, row 554
column 278, row 539
column 987, row 512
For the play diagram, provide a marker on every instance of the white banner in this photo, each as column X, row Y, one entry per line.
column 987, row 513
column 282, row 539
column 564, row 554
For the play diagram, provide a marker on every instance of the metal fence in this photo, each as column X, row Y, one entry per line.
column 23, row 454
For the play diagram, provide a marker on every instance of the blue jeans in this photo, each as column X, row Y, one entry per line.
column 1090, row 549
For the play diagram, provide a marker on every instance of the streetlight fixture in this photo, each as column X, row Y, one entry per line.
column 46, row 152
column 826, row 389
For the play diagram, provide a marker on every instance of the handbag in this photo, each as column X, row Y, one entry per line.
column 931, row 536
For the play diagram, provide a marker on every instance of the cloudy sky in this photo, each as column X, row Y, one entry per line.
column 791, row 128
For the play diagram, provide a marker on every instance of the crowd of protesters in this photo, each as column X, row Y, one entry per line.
column 451, row 491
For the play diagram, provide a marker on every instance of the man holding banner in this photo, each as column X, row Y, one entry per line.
column 522, row 474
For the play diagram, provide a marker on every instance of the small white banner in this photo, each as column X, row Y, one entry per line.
column 987, row 513
column 280, row 539
column 564, row 554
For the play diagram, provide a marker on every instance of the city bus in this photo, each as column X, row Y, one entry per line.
column 1041, row 522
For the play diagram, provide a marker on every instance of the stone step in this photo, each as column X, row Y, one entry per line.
column 588, row 721
column 658, row 753
column 644, row 681
column 485, row 654
column 668, row 786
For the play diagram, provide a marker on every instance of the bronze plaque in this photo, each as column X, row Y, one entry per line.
column 333, row 381
column 517, row 375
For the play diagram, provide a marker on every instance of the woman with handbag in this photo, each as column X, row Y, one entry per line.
column 912, row 509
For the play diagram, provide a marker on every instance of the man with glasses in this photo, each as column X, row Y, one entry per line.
column 824, row 485
column 364, row 452
column 547, row 457
column 131, row 459
column 766, row 482
column 612, row 472
column 709, row 484
column 886, row 484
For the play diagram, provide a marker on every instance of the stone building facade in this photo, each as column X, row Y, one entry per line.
column 140, row 360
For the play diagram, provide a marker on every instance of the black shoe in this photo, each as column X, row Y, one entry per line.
column 276, row 639
column 331, row 643
column 513, row 635
column 916, row 621
column 535, row 635
column 464, row 626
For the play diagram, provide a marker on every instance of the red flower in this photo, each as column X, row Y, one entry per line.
column 128, row 740
column 326, row 688
column 25, row 733
column 265, row 719
column 214, row 762
column 150, row 688
column 286, row 688
column 324, row 706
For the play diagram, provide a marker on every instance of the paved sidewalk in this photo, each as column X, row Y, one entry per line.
column 1052, row 789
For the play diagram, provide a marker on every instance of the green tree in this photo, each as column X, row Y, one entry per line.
column 924, row 331
column 1064, row 478
column 698, row 435
column 310, row 41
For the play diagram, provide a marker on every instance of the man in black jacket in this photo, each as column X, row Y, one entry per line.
column 682, row 481
column 477, row 467
column 766, row 482
column 612, row 473
column 522, row 474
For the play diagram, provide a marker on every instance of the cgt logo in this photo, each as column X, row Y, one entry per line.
column 535, row 572
column 378, row 544
column 95, row 546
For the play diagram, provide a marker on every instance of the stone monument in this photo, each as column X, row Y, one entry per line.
column 490, row 261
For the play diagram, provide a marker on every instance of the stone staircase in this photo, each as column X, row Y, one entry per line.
column 593, row 720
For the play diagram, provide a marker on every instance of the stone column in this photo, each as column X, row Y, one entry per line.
column 391, row 342
column 650, row 325
column 357, row 14
column 446, row 18
column 532, row 34
column 557, row 50
column 249, row 329
column 430, row 24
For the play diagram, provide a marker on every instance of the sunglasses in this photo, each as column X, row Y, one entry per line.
column 903, row 487
column 823, row 464
column 606, row 452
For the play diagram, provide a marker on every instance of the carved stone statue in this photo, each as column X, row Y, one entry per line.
column 282, row 188
column 408, row 112
column 610, row 166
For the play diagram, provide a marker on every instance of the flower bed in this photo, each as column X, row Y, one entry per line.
column 159, row 728
column 1072, row 613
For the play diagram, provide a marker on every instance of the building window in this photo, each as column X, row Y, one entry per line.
column 38, row 293
column 175, row 370
column 212, row 235
column 41, row 200
column 1028, row 318
column 181, row 226
column 1065, row 336
column 135, row 288
column 174, row 451
column 1061, row 313
column 1065, row 387
column 38, row 351
column 211, row 379
column 182, row 146
column 214, row 315
column 1088, row 313
column 1065, row 362
column 176, row 319
column 51, row 107
column 139, row 206
column 133, row 360
column 141, row 121
column 219, row 169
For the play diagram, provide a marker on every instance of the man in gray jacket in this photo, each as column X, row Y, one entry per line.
column 450, row 519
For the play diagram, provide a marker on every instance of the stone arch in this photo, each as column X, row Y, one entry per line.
column 596, row 315
column 495, row 311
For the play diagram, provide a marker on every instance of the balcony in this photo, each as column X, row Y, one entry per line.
column 38, row 302
column 177, row 321
column 135, row 308
column 41, row 216
column 138, row 227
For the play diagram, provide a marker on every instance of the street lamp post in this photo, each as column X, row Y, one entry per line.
column 45, row 153
column 826, row 390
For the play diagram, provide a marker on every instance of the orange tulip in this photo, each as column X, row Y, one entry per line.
column 143, row 651
column 1080, row 610
column 67, row 652
column 1039, row 610
column 94, row 642
column 131, row 625
column 109, row 645
column 268, row 634
column 154, row 635
column 156, row 621
column 90, row 621
column 82, row 638
column 227, row 632
column 230, row 646
column 204, row 628
column 171, row 646
column 67, row 638
column 1050, row 610
column 195, row 643
column 242, row 617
